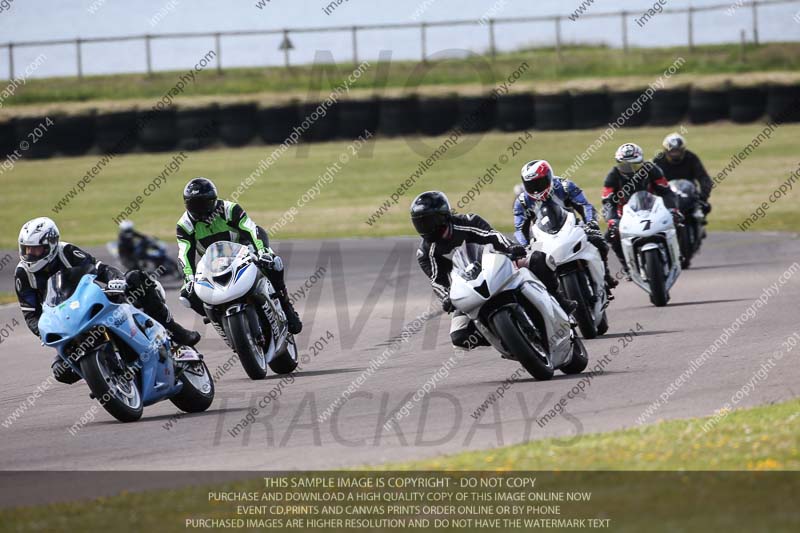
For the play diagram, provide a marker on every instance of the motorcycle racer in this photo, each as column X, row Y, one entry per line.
column 539, row 183
column 207, row 220
column 678, row 162
column 42, row 254
column 443, row 231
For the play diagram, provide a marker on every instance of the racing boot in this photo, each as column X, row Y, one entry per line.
column 292, row 318
column 180, row 334
column 569, row 306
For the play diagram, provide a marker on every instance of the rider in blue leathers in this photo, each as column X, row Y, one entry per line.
column 539, row 183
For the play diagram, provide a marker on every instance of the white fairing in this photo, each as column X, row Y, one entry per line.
column 498, row 274
column 644, row 223
column 570, row 244
column 225, row 273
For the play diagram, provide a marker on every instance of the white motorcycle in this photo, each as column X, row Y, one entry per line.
column 650, row 245
column 577, row 263
column 513, row 310
column 241, row 303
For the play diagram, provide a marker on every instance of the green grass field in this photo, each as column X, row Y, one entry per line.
column 762, row 438
column 575, row 62
column 341, row 208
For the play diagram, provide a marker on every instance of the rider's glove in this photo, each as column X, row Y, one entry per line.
column 447, row 305
column 705, row 206
column 269, row 261
column 613, row 231
column 593, row 226
column 517, row 251
column 188, row 288
column 116, row 285
column 677, row 216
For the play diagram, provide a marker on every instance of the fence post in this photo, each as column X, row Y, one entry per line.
column 285, row 46
column 355, row 46
column 691, row 28
column 11, row 61
column 492, row 43
column 755, row 22
column 218, row 51
column 624, row 16
column 742, row 48
column 558, row 37
column 79, row 57
column 424, row 42
column 148, row 55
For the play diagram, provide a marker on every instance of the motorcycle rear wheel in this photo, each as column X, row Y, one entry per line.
column 515, row 333
column 197, row 393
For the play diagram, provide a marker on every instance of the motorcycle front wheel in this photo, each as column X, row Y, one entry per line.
column 519, row 335
column 654, row 267
column 197, row 393
column 117, row 392
column 574, row 284
column 252, row 356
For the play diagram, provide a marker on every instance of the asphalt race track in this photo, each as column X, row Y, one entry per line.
column 370, row 289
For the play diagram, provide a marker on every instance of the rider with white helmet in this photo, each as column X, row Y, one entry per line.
column 678, row 162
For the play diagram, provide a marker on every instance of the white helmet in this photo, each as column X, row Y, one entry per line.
column 629, row 158
column 674, row 147
column 126, row 225
column 38, row 243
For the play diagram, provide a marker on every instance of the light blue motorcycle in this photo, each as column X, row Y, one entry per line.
column 125, row 357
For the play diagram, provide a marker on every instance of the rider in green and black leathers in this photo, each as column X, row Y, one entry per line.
column 208, row 220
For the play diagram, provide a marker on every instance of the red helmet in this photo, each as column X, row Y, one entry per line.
column 537, row 178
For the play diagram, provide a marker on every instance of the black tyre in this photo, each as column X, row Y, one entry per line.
column 275, row 123
column 197, row 127
column 552, row 111
column 574, row 285
column 120, row 397
column 250, row 353
column 399, row 116
column 622, row 108
column 158, row 131
column 747, row 104
column 514, row 112
column 437, row 115
column 117, row 132
column 590, row 110
column 519, row 335
column 602, row 327
column 654, row 267
column 44, row 147
column 285, row 362
column 7, row 138
column 324, row 128
column 476, row 114
column 708, row 106
column 197, row 393
column 237, row 123
column 669, row 107
column 687, row 249
column 580, row 358
column 783, row 103
column 356, row 116
column 74, row 134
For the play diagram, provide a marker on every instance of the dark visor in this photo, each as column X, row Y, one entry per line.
column 429, row 225
column 201, row 207
column 535, row 186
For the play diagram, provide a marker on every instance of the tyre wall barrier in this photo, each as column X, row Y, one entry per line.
column 438, row 115
column 399, row 116
column 276, row 123
column 476, row 113
column 552, row 111
column 747, row 104
column 158, row 131
column 237, row 123
column 116, row 132
column 624, row 106
column 514, row 112
column 355, row 116
column 783, row 103
column 708, row 106
column 669, row 107
column 590, row 110
column 197, row 127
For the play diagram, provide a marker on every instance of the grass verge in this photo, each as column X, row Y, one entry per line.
column 342, row 207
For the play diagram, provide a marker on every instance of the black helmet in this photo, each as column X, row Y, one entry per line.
column 430, row 214
column 200, row 198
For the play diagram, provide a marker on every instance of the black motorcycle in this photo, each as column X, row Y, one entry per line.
column 692, row 232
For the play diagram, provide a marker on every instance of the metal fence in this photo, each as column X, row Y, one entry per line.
column 424, row 28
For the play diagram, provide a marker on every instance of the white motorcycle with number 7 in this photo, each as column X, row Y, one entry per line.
column 241, row 301
column 577, row 263
column 650, row 245
column 512, row 309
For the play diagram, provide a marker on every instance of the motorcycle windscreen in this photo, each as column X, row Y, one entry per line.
column 62, row 285
column 550, row 215
column 642, row 201
column 219, row 257
column 467, row 260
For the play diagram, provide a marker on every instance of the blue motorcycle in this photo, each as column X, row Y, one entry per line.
column 125, row 357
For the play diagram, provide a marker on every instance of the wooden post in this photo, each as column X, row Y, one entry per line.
column 79, row 58
column 218, row 50
column 424, row 42
column 11, row 61
column 558, row 37
column 743, row 47
column 286, row 49
column 755, row 22
column 624, row 16
column 355, row 45
column 492, row 42
column 148, row 55
column 691, row 28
